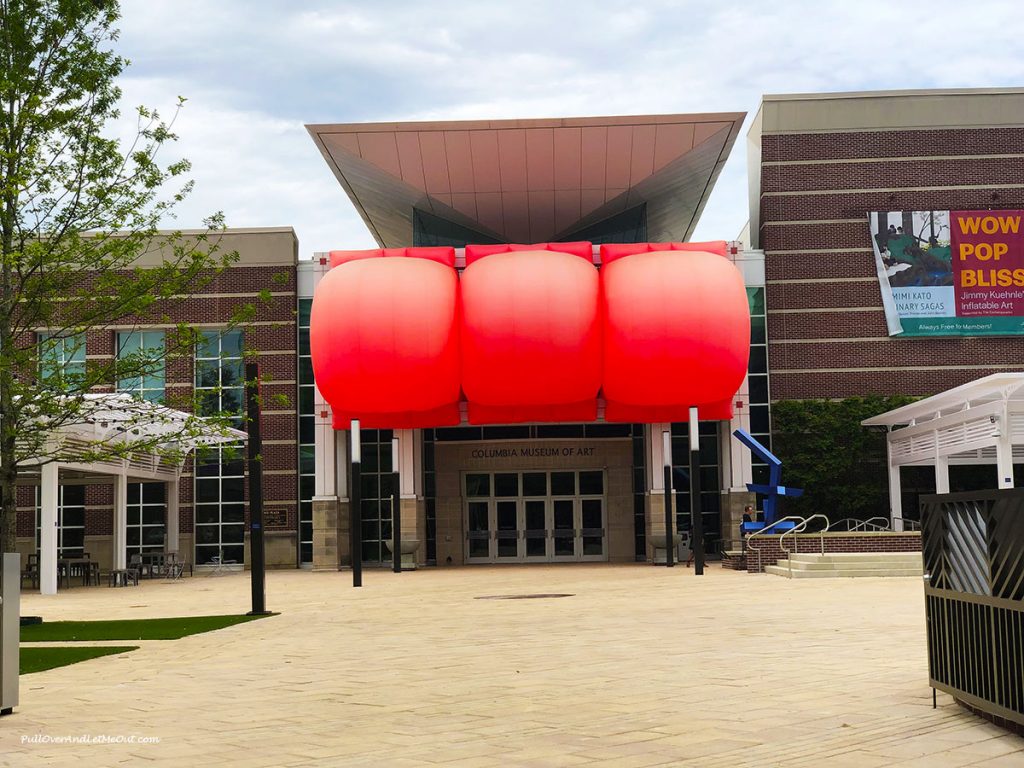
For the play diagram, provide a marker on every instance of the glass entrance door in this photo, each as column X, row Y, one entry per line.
column 535, row 516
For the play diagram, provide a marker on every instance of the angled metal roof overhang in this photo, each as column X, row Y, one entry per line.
column 530, row 181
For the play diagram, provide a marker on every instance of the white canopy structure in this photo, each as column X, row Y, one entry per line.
column 981, row 422
column 165, row 437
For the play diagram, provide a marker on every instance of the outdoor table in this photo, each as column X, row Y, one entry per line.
column 67, row 565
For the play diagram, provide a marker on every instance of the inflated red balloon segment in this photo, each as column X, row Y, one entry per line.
column 530, row 333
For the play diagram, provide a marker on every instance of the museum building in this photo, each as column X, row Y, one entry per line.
column 592, row 489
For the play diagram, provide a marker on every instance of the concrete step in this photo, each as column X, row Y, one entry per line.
column 783, row 570
column 849, row 558
column 860, row 565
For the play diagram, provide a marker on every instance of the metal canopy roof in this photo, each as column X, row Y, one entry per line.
column 530, row 180
column 998, row 387
column 112, row 417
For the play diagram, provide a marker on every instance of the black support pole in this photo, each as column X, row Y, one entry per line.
column 696, row 513
column 355, row 514
column 670, row 528
column 254, row 443
column 396, row 511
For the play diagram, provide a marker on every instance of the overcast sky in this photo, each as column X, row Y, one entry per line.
column 256, row 71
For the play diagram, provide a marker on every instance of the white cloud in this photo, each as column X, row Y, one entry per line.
column 256, row 70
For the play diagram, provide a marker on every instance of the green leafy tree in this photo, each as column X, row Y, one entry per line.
column 79, row 240
column 840, row 464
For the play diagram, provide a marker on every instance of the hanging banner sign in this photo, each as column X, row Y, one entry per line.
column 951, row 273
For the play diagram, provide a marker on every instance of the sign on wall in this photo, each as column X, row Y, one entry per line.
column 950, row 273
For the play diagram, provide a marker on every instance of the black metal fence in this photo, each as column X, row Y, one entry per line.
column 974, row 598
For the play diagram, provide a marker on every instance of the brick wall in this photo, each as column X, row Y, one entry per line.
column 817, row 190
column 810, row 543
column 272, row 334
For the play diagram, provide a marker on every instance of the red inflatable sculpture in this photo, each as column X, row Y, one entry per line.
column 384, row 341
column 530, row 333
column 531, row 337
column 676, row 334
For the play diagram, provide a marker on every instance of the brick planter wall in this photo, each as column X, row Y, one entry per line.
column 810, row 543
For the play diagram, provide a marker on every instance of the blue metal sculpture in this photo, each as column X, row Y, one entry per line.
column 774, row 489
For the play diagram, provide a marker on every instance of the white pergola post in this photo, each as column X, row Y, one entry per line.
column 942, row 474
column 173, row 515
column 1004, row 453
column 120, row 557
column 895, row 491
column 49, row 488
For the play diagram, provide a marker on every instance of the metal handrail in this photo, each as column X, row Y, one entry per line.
column 799, row 529
column 765, row 531
column 854, row 524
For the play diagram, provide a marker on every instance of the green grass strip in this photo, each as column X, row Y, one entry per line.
column 40, row 659
column 127, row 629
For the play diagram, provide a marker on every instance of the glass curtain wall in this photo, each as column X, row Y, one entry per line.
column 220, row 471
column 307, row 449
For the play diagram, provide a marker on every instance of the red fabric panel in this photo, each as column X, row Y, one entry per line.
column 338, row 258
column 676, row 329
column 531, row 331
column 446, row 416
column 715, row 246
column 581, row 248
column 613, row 251
column 442, row 255
column 650, row 414
column 546, row 414
column 384, row 336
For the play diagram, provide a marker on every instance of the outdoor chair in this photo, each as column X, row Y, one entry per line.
column 31, row 571
column 141, row 568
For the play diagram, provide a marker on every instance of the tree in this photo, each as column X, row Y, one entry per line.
column 78, row 211
column 840, row 464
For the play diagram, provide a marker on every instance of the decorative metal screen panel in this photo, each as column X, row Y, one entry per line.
column 974, row 598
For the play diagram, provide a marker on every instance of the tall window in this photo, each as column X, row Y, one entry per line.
column 147, row 513
column 147, row 351
column 376, row 483
column 710, row 476
column 307, row 449
column 62, row 358
column 70, row 520
column 220, row 373
column 760, row 423
column 220, row 474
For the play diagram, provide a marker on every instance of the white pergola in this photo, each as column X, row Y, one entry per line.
column 981, row 422
column 123, row 419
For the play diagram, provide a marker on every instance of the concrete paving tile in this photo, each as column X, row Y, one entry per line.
column 642, row 666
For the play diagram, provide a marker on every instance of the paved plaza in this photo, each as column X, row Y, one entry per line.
column 638, row 666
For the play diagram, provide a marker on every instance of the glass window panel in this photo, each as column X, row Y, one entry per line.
column 233, row 489
column 154, row 493
column 506, row 484
column 207, row 490
column 153, row 535
column 478, row 485
column 307, row 459
column 535, row 484
column 563, row 483
column 593, row 513
column 305, row 307
column 133, row 535
column 307, row 398
column 758, row 360
column 207, row 513
column 207, row 534
column 234, row 552
column 755, row 298
column 154, row 515
column 478, row 516
column 133, row 492
column 232, row 533
column 591, row 483
column 758, row 389
column 232, row 513
column 759, row 418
